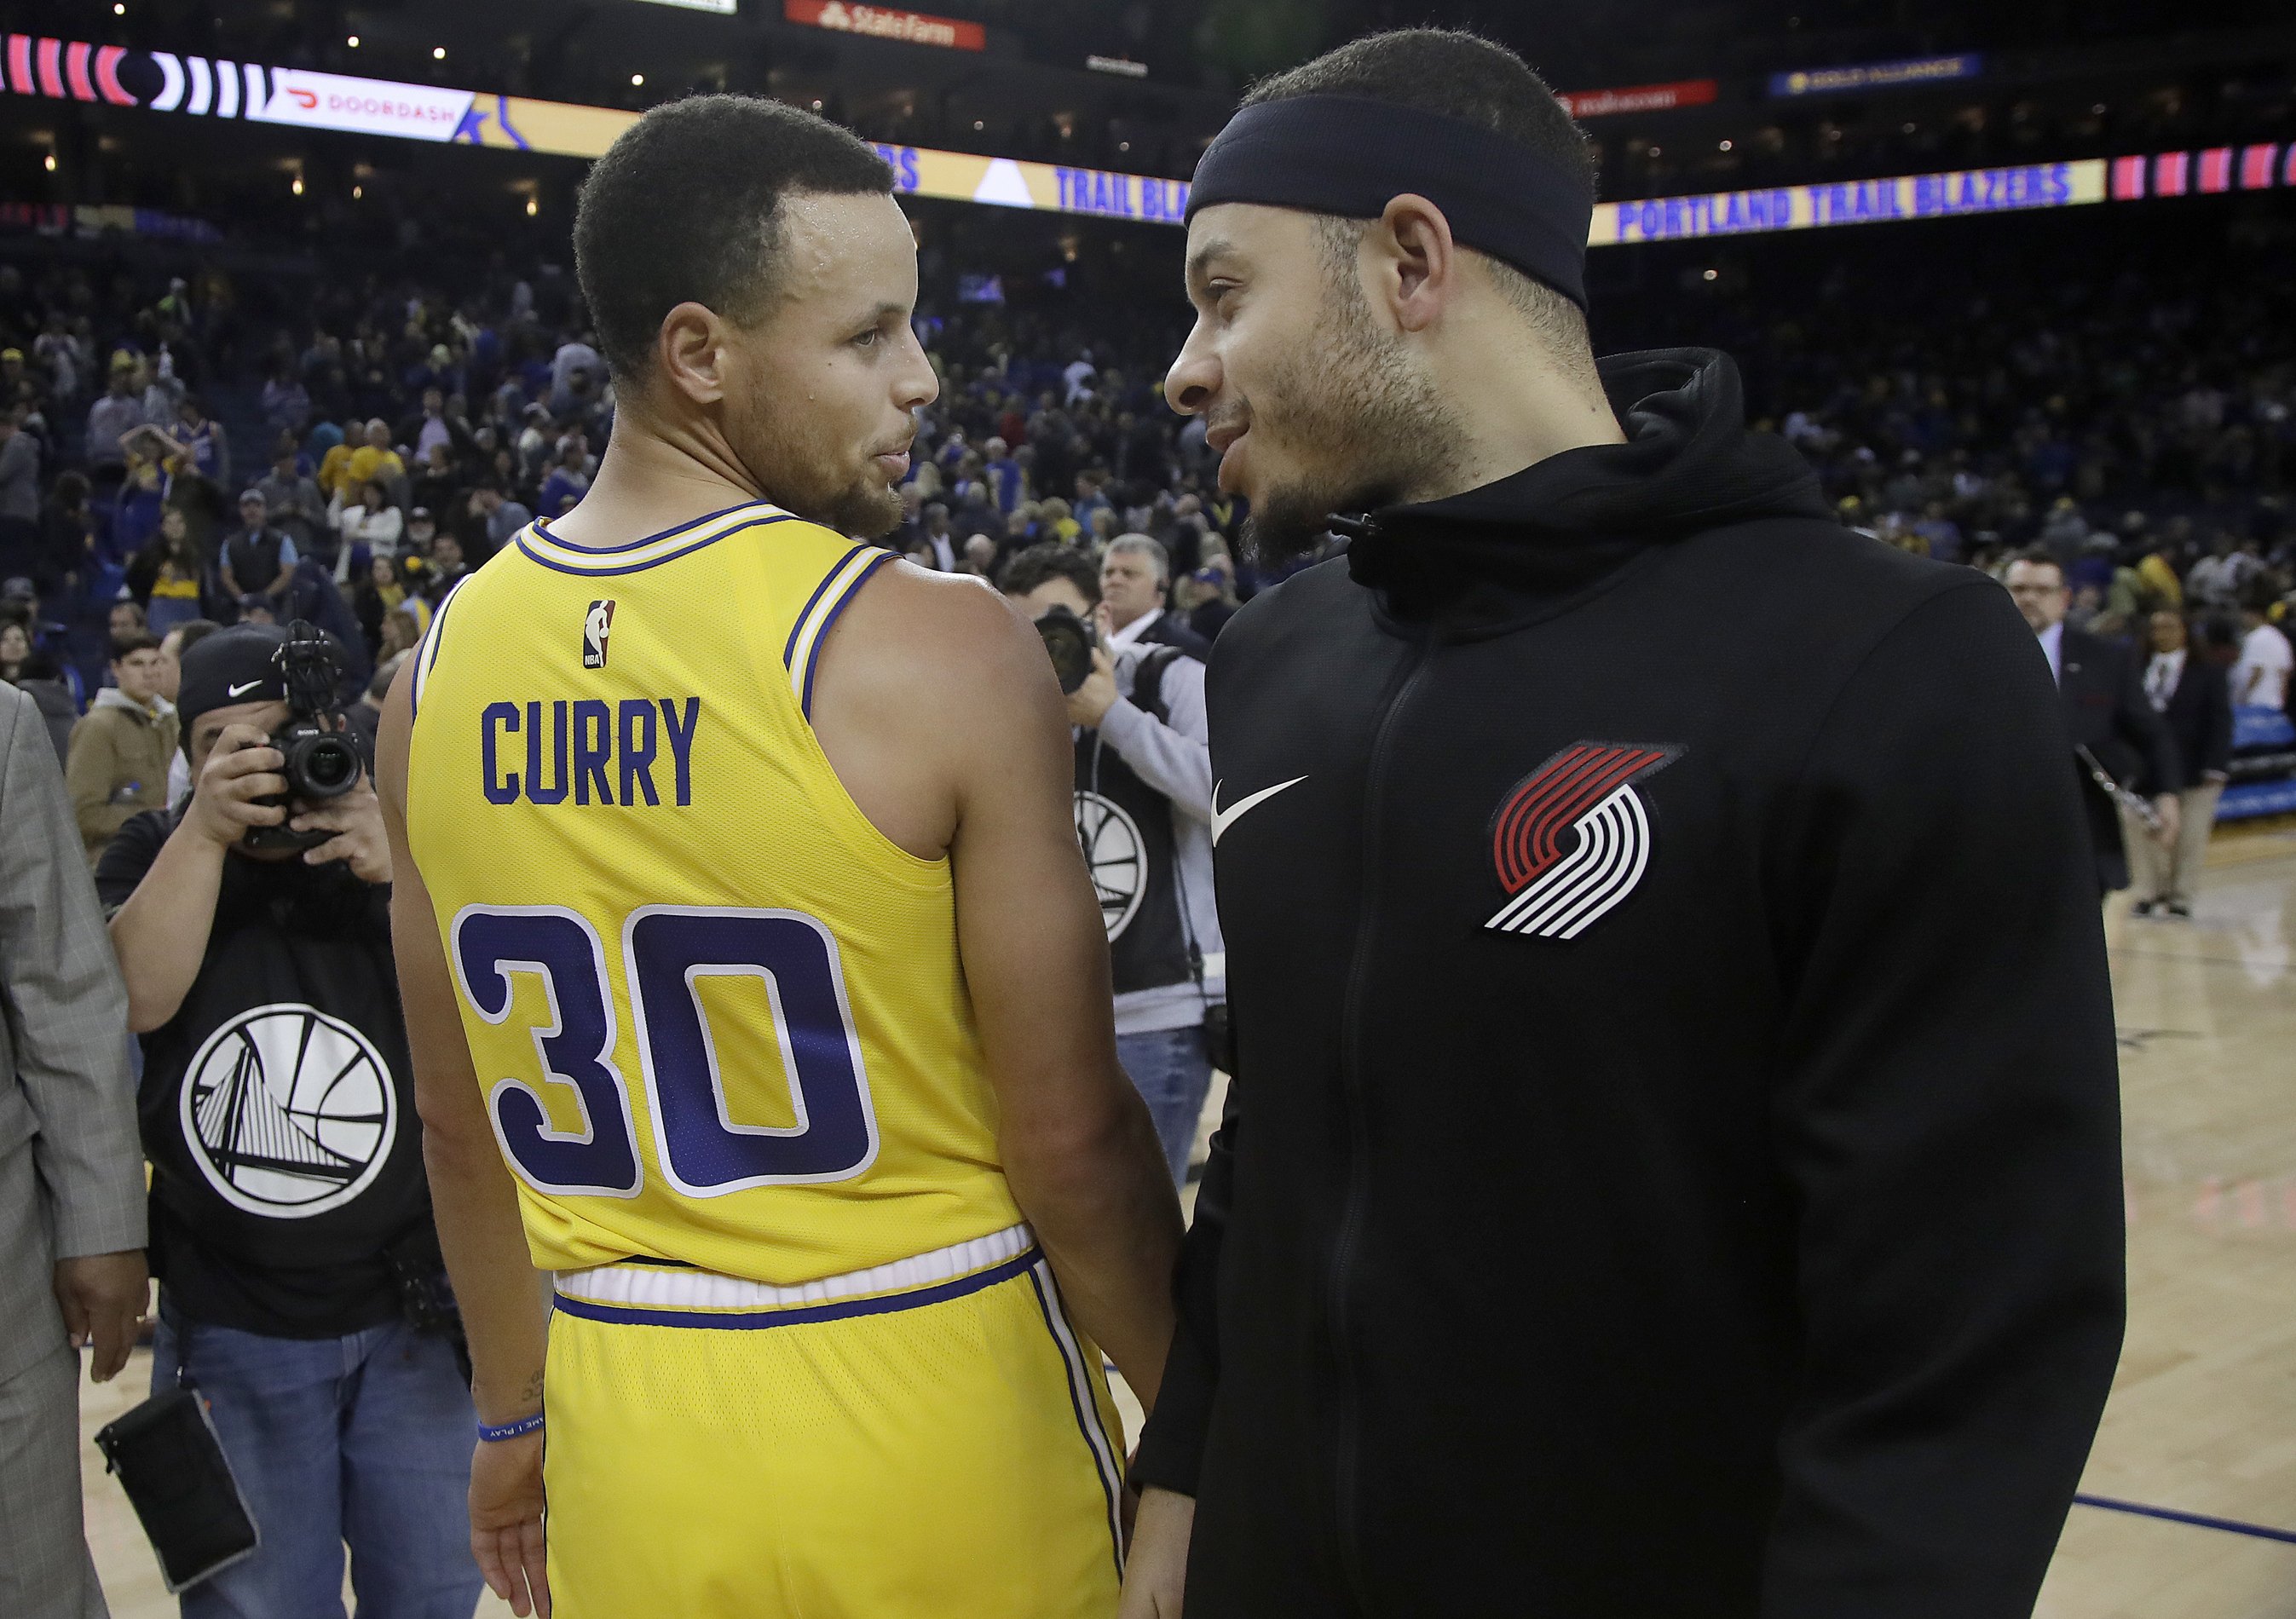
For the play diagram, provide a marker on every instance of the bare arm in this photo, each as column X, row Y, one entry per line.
column 1079, row 1147
column 1078, row 1144
column 161, row 933
column 474, row 1203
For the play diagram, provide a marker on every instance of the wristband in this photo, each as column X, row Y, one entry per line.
column 510, row 1430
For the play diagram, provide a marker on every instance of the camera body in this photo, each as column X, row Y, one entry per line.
column 1069, row 642
column 321, row 760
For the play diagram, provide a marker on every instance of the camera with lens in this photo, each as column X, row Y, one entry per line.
column 322, row 761
column 1069, row 642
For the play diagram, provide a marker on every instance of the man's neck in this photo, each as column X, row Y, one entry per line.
column 1119, row 626
column 1493, row 450
column 1513, row 405
column 654, row 477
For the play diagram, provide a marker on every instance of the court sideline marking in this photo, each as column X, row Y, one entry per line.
column 2198, row 1520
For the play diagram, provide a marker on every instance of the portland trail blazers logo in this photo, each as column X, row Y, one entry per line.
column 1118, row 858
column 1573, row 838
column 289, row 1112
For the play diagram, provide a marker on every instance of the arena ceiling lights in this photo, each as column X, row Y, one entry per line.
column 158, row 81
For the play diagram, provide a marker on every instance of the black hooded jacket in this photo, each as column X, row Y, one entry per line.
column 1674, row 1165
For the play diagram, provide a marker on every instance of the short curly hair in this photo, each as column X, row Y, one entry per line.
column 685, row 205
column 1039, row 564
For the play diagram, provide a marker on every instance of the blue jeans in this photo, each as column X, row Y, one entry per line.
column 364, row 1439
column 1173, row 1073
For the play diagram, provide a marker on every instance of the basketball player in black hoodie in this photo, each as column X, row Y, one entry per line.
column 1675, row 1170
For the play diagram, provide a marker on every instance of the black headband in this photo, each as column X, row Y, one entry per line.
column 1348, row 156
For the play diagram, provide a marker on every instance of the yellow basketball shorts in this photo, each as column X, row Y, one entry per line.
column 933, row 1438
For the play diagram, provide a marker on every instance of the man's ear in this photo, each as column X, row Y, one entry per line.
column 1419, row 263
column 690, row 350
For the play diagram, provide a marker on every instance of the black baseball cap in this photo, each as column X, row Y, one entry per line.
column 239, row 664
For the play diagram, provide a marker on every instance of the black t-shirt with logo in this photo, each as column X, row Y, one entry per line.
column 278, row 1103
column 1125, row 827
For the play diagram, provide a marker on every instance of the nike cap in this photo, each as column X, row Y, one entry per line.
column 240, row 665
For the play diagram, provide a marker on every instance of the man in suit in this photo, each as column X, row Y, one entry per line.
column 1135, row 576
column 2194, row 698
column 72, row 1173
column 2106, row 711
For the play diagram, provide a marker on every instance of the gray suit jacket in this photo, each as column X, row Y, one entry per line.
column 71, row 1166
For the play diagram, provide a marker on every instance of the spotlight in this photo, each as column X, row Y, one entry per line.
column 1726, row 146
column 637, row 78
column 817, row 103
column 1905, row 128
column 1124, row 146
column 437, row 53
column 2099, row 109
column 49, row 162
column 532, row 208
column 357, row 192
column 1654, row 151
column 1713, row 274
column 352, row 42
column 118, row 9
column 297, row 186
column 978, row 126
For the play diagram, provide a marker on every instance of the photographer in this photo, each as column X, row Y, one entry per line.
column 300, row 1286
column 1143, row 792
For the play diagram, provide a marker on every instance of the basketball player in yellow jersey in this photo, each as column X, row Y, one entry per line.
column 756, row 985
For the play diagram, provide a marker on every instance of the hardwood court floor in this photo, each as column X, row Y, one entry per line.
column 2202, row 1417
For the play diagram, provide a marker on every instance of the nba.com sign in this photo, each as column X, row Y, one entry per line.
column 916, row 28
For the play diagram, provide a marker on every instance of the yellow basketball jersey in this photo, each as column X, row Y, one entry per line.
column 718, row 1016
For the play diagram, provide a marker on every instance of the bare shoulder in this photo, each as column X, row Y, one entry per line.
column 931, row 688
column 393, row 735
column 936, row 643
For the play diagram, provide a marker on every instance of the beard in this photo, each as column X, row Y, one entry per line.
column 1372, row 428
column 813, row 476
column 867, row 507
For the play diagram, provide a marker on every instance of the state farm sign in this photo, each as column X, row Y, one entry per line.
column 916, row 28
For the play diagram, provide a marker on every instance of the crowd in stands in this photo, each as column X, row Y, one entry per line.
column 2135, row 420
column 2139, row 426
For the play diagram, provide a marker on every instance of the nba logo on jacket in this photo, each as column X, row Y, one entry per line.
column 1573, row 838
column 597, row 624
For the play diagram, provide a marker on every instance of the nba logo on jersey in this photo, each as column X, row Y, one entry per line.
column 597, row 624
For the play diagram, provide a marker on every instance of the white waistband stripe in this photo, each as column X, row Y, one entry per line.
column 675, row 1288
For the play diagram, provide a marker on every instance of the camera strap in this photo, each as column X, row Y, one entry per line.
column 180, row 1326
column 1148, row 697
column 1148, row 683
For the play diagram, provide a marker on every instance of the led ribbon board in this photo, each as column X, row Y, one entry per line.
column 1801, row 208
column 161, row 81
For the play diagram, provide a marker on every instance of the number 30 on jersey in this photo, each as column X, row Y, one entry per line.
column 667, row 950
